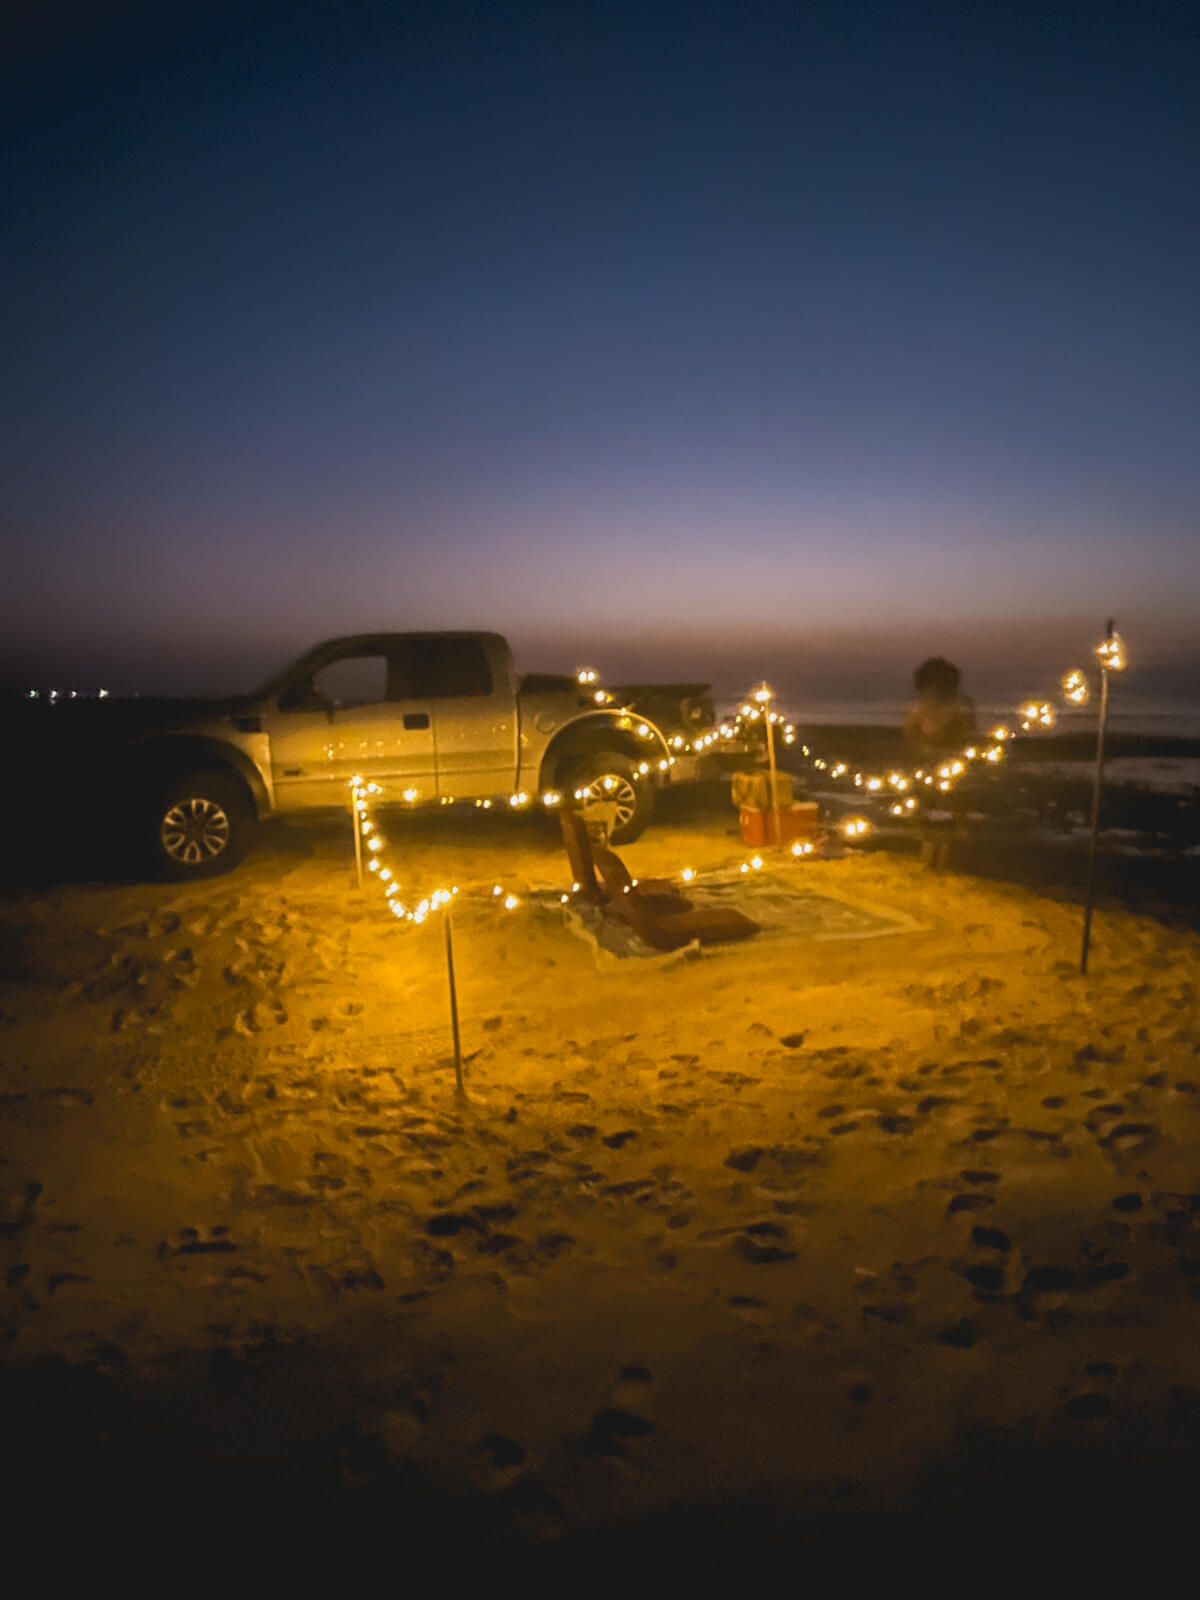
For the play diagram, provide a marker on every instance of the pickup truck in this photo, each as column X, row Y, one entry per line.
column 440, row 717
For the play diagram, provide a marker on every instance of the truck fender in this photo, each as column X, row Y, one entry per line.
column 167, row 755
column 602, row 730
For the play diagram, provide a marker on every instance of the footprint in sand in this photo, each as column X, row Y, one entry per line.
column 764, row 1243
column 502, row 1455
column 625, row 1419
column 191, row 1242
column 991, row 1239
column 970, row 1202
column 262, row 1014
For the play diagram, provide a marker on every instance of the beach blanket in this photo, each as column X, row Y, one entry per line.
column 782, row 907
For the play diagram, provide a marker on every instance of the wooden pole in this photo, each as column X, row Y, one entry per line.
column 1097, row 784
column 458, row 1068
column 777, row 828
column 357, row 816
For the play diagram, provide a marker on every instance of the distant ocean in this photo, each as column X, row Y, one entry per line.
column 1128, row 713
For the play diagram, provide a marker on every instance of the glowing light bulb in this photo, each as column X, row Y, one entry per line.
column 410, row 795
column 587, row 675
column 687, row 874
column 756, row 862
column 1075, row 687
column 1111, row 653
column 511, row 902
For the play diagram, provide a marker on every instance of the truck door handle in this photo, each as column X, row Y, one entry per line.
column 416, row 719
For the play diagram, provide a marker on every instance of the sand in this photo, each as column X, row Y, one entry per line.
column 768, row 1237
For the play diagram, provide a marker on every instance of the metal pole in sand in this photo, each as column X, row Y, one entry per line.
column 1097, row 784
column 356, row 814
column 776, row 827
column 764, row 696
column 458, row 1071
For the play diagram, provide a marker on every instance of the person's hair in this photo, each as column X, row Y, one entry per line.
column 937, row 679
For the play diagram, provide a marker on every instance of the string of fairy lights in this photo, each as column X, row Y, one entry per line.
column 907, row 790
column 942, row 778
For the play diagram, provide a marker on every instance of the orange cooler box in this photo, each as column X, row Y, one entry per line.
column 796, row 822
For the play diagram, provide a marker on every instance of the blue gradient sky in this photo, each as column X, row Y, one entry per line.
column 674, row 337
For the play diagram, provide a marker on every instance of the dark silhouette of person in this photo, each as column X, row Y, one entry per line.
column 941, row 720
column 939, row 724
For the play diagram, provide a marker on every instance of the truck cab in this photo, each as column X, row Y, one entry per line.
column 429, row 716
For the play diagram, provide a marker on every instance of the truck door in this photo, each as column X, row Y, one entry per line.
column 355, row 713
column 473, row 696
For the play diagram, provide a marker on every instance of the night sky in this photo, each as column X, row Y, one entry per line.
column 662, row 337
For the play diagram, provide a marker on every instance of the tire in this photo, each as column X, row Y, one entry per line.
column 201, row 826
column 630, row 793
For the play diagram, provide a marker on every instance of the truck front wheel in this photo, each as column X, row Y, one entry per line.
column 610, row 787
column 202, row 825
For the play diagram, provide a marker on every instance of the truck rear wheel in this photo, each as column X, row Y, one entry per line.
column 610, row 786
column 201, row 826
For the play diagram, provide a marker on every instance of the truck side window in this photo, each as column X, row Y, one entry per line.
column 439, row 669
column 352, row 681
column 462, row 669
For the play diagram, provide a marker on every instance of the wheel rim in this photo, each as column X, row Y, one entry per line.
column 613, row 789
column 195, row 831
